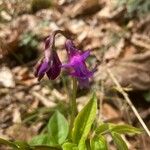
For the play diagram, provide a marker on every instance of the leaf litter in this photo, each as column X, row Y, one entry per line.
column 119, row 43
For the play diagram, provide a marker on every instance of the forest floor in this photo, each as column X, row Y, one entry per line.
column 120, row 43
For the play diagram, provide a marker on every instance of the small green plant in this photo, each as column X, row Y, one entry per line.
column 28, row 45
column 82, row 135
column 29, row 40
column 82, row 131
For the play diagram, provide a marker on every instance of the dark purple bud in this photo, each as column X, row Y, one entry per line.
column 55, row 68
column 51, row 64
column 41, row 69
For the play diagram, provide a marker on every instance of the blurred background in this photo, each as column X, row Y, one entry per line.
column 117, row 31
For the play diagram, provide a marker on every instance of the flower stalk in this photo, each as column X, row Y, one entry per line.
column 73, row 104
column 76, row 67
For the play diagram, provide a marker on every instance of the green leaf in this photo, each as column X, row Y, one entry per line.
column 99, row 143
column 42, row 142
column 69, row 146
column 8, row 143
column 58, row 128
column 39, row 140
column 83, row 122
column 42, row 147
column 17, row 145
column 102, row 128
column 123, row 129
column 43, row 139
column 120, row 143
column 22, row 145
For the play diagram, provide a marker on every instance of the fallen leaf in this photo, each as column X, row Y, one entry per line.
column 6, row 78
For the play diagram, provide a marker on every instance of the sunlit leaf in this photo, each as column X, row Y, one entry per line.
column 8, row 143
column 42, row 147
column 102, row 128
column 22, row 145
column 99, row 143
column 123, row 129
column 58, row 128
column 39, row 140
column 83, row 122
column 119, row 142
column 69, row 146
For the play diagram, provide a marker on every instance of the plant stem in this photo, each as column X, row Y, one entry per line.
column 73, row 105
column 126, row 97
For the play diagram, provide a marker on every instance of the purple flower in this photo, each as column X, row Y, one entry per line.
column 76, row 64
column 50, row 64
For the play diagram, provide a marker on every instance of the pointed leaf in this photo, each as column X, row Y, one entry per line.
column 42, row 147
column 119, row 142
column 83, row 122
column 102, row 128
column 69, row 146
column 123, row 129
column 58, row 128
column 8, row 143
column 39, row 140
column 99, row 143
column 22, row 145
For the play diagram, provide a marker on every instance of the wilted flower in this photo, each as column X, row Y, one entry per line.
column 76, row 64
column 50, row 64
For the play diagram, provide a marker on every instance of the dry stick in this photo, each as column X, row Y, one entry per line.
column 126, row 97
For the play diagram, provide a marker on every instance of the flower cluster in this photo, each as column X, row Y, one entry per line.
column 76, row 66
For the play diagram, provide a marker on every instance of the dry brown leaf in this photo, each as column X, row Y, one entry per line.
column 129, row 51
column 16, row 116
column 130, row 72
column 141, row 40
column 21, row 132
column 108, row 112
column 46, row 102
column 109, row 13
column 85, row 7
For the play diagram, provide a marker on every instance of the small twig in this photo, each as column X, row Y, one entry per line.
column 126, row 97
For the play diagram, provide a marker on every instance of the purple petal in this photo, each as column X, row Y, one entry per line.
column 42, row 69
column 70, row 47
column 81, row 71
column 75, row 60
column 85, row 54
column 37, row 67
column 76, row 64
column 47, row 55
column 55, row 68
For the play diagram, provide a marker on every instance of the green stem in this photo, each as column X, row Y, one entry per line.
column 73, row 105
